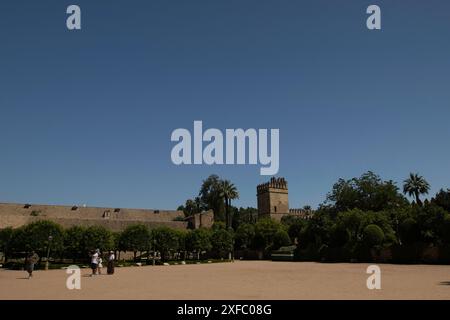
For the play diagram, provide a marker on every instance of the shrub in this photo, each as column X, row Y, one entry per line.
column 339, row 236
column 373, row 235
column 281, row 239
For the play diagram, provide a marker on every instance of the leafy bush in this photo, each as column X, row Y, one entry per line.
column 281, row 239
column 339, row 235
column 373, row 235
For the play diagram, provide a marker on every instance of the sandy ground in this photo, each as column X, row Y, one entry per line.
column 242, row 280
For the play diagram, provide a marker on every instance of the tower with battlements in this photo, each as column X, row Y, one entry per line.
column 273, row 199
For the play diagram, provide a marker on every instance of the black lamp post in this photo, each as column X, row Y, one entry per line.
column 154, row 251
column 50, row 238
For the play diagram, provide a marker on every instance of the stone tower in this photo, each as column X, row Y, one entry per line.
column 273, row 199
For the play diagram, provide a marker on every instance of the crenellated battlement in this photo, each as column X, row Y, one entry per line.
column 274, row 183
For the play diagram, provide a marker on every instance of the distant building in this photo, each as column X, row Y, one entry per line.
column 273, row 201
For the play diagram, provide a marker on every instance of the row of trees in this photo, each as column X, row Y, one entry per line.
column 359, row 216
column 366, row 215
column 76, row 242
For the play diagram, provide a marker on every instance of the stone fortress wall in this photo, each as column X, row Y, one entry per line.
column 115, row 219
column 273, row 202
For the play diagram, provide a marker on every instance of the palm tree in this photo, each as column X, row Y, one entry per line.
column 210, row 196
column 228, row 192
column 416, row 185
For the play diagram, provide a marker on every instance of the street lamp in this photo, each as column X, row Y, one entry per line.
column 154, row 251
column 50, row 238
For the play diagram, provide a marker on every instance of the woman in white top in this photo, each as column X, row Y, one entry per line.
column 94, row 262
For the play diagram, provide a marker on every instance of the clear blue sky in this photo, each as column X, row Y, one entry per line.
column 86, row 116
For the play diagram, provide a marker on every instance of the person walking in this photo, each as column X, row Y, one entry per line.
column 110, row 267
column 30, row 261
column 94, row 262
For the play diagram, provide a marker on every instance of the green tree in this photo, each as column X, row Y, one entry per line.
column 165, row 240
column 352, row 221
column 245, row 215
column 74, row 242
column 415, row 186
column 210, row 196
column 244, row 235
column 97, row 237
column 442, row 199
column 135, row 238
column 265, row 230
column 409, row 232
column 228, row 192
column 295, row 226
column 39, row 236
column 445, row 230
column 430, row 219
column 373, row 235
column 222, row 241
column 281, row 239
column 367, row 193
column 339, row 235
column 198, row 240
column 355, row 221
column 192, row 206
column 182, row 236
column 6, row 236
column 316, row 231
column 219, row 226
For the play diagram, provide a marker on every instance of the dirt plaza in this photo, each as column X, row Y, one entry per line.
column 242, row 280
